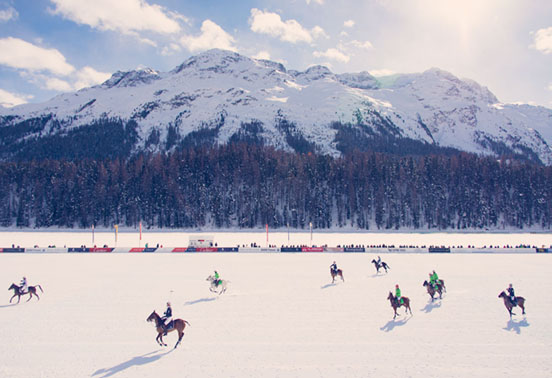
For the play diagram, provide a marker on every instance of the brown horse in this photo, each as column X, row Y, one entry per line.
column 509, row 305
column 178, row 324
column 405, row 303
column 431, row 290
column 17, row 292
column 336, row 273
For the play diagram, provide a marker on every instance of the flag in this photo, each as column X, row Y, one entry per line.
column 116, row 232
column 140, row 230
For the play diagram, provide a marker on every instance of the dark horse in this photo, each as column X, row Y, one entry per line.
column 178, row 324
column 440, row 287
column 509, row 305
column 383, row 265
column 395, row 305
column 17, row 292
column 335, row 273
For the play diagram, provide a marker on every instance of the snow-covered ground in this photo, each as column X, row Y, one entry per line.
column 280, row 318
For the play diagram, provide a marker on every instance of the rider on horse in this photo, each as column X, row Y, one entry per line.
column 398, row 299
column 167, row 318
column 434, row 280
column 333, row 268
column 378, row 261
column 217, row 280
column 512, row 295
column 24, row 287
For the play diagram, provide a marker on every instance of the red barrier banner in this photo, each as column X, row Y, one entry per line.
column 185, row 249
column 137, row 250
column 312, row 249
column 101, row 249
column 207, row 249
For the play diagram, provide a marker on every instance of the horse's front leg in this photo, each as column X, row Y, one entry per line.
column 13, row 297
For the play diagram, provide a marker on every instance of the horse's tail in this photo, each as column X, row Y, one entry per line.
column 40, row 287
column 185, row 321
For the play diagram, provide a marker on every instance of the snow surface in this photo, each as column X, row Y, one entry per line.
column 280, row 318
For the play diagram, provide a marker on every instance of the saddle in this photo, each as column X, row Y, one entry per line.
column 170, row 325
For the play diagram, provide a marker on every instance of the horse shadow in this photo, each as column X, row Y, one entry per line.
column 515, row 325
column 189, row 303
column 378, row 275
column 431, row 305
column 135, row 361
column 8, row 305
column 328, row 285
column 394, row 323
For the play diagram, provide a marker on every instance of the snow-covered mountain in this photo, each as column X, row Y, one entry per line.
column 224, row 92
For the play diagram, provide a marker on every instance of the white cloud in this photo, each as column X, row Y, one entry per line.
column 212, row 36
column 381, row 72
column 8, row 99
column 315, row 1
column 349, row 23
column 125, row 16
column 333, row 54
column 543, row 40
column 367, row 45
column 550, row 86
column 262, row 55
column 317, row 32
column 57, row 84
column 17, row 53
column 288, row 31
column 88, row 76
column 8, row 14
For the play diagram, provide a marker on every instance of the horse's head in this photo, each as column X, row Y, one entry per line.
column 210, row 278
column 502, row 295
column 425, row 283
column 13, row 287
column 153, row 316
column 390, row 296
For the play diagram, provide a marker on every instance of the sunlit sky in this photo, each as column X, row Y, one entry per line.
column 49, row 47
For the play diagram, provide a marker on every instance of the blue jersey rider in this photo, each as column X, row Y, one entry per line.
column 167, row 318
column 512, row 295
column 333, row 268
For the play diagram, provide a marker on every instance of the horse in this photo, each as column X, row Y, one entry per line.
column 383, row 265
column 223, row 284
column 18, row 292
column 406, row 303
column 509, row 305
column 431, row 290
column 178, row 324
column 335, row 273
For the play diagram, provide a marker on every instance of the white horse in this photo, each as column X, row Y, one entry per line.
column 221, row 288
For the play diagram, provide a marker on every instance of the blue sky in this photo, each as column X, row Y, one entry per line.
column 49, row 47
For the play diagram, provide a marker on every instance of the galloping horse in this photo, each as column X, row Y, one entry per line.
column 222, row 284
column 17, row 292
column 431, row 291
column 383, row 265
column 406, row 303
column 178, row 324
column 509, row 305
column 335, row 273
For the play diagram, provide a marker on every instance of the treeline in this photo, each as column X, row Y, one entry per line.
column 248, row 186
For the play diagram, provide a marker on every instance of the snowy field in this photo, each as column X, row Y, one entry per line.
column 280, row 318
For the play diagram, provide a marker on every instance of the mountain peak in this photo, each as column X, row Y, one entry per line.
column 212, row 59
